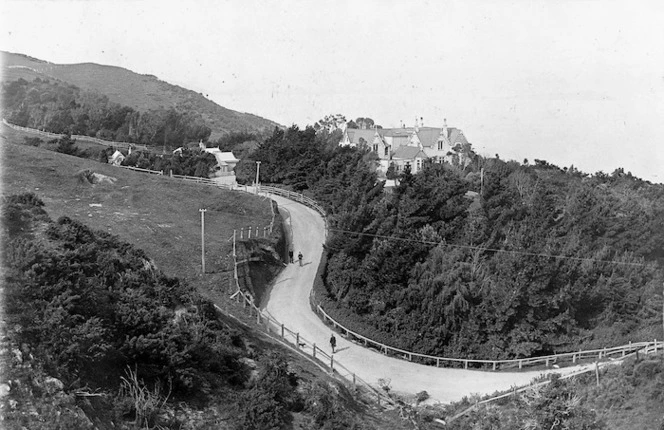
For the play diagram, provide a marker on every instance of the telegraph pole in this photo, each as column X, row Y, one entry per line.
column 202, row 211
column 258, row 169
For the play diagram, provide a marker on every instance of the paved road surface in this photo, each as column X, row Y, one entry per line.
column 288, row 302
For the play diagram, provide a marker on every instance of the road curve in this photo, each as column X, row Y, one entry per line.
column 288, row 303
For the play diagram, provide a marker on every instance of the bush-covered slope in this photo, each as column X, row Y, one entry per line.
column 490, row 260
column 140, row 92
column 628, row 396
column 100, row 338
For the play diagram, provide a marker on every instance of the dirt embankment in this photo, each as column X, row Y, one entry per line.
column 261, row 260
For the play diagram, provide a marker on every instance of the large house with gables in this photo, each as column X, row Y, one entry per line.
column 410, row 146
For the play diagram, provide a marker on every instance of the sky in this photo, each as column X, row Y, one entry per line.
column 570, row 82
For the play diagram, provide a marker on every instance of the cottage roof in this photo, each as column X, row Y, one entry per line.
column 222, row 158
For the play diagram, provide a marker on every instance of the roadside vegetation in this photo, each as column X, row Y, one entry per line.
column 621, row 397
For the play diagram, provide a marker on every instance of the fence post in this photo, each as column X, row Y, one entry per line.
column 241, row 232
column 282, row 330
column 297, row 339
column 314, row 350
column 267, row 324
column 249, row 233
column 258, row 318
column 437, row 362
column 465, row 364
column 520, row 364
column 494, row 365
column 332, row 364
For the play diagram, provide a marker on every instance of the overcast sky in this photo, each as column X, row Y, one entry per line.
column 571, row 82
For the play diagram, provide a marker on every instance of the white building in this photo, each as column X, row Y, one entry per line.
column 412, row 145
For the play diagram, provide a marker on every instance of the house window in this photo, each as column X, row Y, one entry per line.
column 387, row 151
column 419, row 164
column 440, row 145
column 375, row 147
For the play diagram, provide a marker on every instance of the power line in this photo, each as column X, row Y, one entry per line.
column 481, row 248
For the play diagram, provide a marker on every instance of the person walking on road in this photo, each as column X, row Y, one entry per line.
column 333, row 343
column 290, row 255
column 299, row 257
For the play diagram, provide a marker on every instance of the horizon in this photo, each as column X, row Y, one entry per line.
column 572, row 83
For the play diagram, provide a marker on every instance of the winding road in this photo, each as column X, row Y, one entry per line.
column 288, row 302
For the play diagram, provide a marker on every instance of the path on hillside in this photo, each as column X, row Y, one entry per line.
column 288, row 303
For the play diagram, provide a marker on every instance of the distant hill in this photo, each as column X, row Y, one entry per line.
column 141, row 92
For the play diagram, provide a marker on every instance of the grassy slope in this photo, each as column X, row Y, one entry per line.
column 158, row 214
column 142, row 92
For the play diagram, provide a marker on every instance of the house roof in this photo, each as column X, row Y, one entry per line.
column 428, row 136
column 355, row 134
column 222, row 157
column 456, row 136
column 409, row 153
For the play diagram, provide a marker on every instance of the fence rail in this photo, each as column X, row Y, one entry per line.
column 124, row 145
column 649, row 348
column 547, row 360
column 278, row 330
column 32, row 130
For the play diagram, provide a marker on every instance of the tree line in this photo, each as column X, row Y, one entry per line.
column 57, row 107
column 496, row 259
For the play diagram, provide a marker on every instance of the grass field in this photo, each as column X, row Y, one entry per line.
column 158, row 214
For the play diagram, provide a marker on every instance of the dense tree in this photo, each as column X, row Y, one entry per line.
column 65, row 109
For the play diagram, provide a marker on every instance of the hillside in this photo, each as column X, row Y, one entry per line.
column 110, row 259
column 140, row 92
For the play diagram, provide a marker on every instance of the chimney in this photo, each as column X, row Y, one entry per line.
column 445, row 127
column 421, row 122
